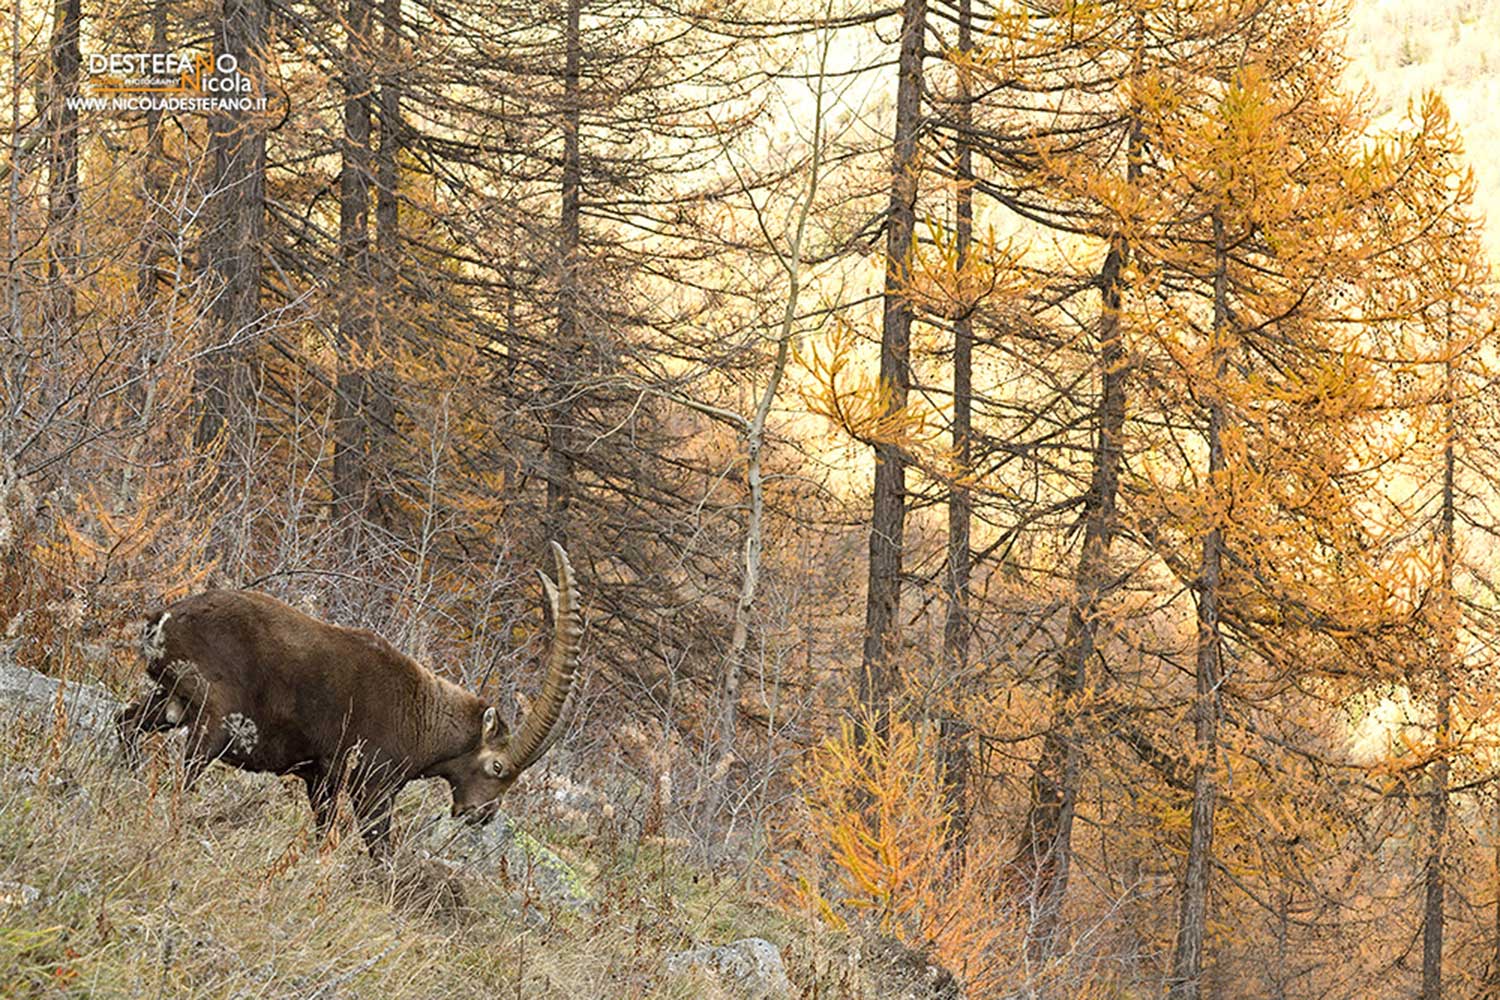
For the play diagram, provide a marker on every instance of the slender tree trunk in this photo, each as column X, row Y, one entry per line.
column 1492, row 982
column 953, row 735
column 62, row 179
column 154, row 186
column 1447, row 640
column 1192, row 919
column 154, row 182
column 877, row 678
column 1045, row 857
column 388, row 325
column 231, row 248
column 560, row 472
column 1279, row 961
column 356, row 281
column 1432, row 911
column 755, row 442
column 15, row 359
column 1046, row 851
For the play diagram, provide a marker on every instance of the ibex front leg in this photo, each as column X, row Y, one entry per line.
column 158, row 712
column 372, row 809
column 206, row 742
column 323, row 785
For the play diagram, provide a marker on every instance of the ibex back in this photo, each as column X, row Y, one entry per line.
column 264, row 687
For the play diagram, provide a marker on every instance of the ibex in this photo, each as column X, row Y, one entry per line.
column 263, row 687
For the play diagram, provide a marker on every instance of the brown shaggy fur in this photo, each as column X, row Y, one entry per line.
column 264, row 687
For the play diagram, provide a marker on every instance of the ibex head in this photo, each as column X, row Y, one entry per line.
column 479, row 778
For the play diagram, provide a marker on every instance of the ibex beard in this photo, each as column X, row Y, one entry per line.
column 263, row 687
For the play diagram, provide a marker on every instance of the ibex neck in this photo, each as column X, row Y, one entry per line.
column 451, row 726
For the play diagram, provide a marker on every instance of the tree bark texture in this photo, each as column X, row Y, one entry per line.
column 877, row 678
column 231, row 245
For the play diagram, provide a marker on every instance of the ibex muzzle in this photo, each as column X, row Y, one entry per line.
column 264, row 687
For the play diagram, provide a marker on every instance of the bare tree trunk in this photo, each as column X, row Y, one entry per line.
column 1192, row 919
column 62, row 174
column 1045, row 856
column 888, row 521
column 154, row 186
column 1492, row 981
column 560, row 472
column 356, row 282
column 1447, row 635
column 59, row 302
column 231, row 248
column 755, row 441
column 953, row 733
column 148, row 279
column 1432, row 911
column 14, row 371
column 1279, row 962
column 388, row 326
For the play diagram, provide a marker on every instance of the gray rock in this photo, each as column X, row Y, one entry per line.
column 90, row 711
column 18, row 894
column 751, row 967
column 504, row 851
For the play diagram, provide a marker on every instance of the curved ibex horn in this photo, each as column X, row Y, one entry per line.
column 543, row 724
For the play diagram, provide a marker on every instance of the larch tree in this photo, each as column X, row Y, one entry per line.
column 954, row 734
column 1255, row 262
column 560, row 465
column 1060, row 130
column 877, row 677
column 62, row 169
column 355, row 322
column 1436, row 294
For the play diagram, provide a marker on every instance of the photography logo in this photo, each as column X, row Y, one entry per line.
column 167, row 81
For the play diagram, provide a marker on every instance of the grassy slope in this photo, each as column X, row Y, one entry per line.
column 146, row 892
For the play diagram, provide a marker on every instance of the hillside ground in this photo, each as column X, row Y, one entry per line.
column 115, row 883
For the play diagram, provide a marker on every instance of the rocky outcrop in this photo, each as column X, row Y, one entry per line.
column 864, row 963
column 750, row 969
column 89, row 711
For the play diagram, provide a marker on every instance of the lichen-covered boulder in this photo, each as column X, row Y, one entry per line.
column 503, row 851
column 751, row 967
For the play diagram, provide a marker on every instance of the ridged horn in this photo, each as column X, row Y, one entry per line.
column 543, row 724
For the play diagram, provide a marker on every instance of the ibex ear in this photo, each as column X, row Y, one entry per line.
column 491, row 724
